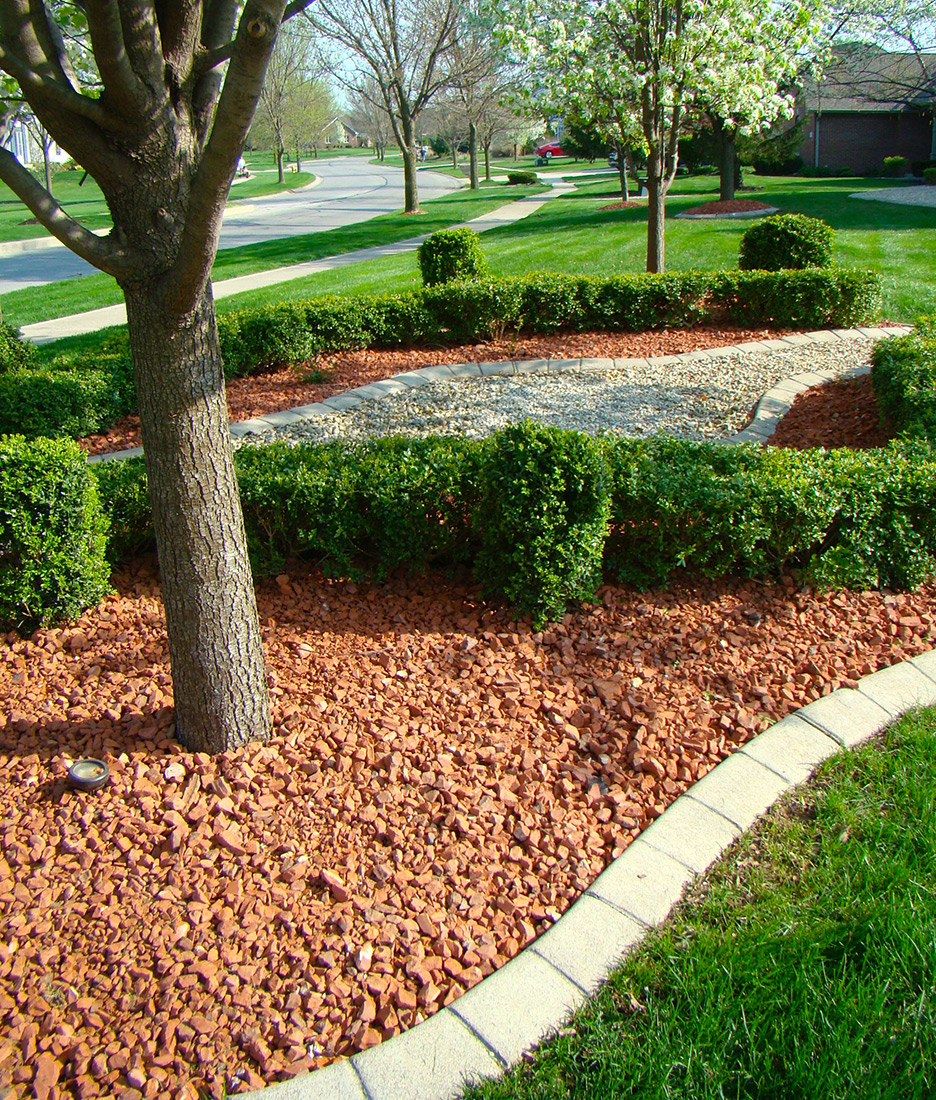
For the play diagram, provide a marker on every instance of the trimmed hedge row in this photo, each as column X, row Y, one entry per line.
column 76, row 395
column 542, row 514
column 903, row 373
column 466, row 310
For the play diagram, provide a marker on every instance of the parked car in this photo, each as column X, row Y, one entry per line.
column 549, row 150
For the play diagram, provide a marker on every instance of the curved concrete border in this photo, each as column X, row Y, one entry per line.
column 735, row 214
column 769, row 409
column 490, row 1027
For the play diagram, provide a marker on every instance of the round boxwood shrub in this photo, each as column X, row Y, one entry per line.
column 451, row 254
column 786, row 241
column 929, row 176
column 52, row 533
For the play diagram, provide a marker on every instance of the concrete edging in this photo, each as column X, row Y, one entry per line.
column 490, row 1027
column 770, row 408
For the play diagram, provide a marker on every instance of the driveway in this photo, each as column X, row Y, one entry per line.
column 348, row 190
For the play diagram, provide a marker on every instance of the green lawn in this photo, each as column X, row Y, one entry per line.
column 574, row 235
column 803, row 969
column 23, row 307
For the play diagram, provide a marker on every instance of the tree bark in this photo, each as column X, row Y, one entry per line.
column 279, row 165
column 656, row 211
column 487, row 160
column 473, row 156
column 727, row 158
column 218, row 669
column 410, row 184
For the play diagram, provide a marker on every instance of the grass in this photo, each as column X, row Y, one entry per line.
column 802, row 968
column 574, row 235
column 23, row 307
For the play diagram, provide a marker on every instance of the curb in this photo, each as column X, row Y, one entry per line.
column 771, row 407
column 490, row 1027
column 736, row 214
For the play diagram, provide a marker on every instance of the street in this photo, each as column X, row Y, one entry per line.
column 351, row 190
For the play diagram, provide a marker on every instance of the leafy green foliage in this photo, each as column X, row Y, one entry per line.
column 786, row 241
column 15, row 353
column 543, row 517
column 52, row 533
column 903, row 373
column 929, row 176
column 526, row 179
column 812, row 298
column 451, row 254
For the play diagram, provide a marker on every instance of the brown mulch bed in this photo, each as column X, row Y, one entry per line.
column 629, row 205
column 443, row 783
column 843, row 413
column 287, row 388
column 731, row 206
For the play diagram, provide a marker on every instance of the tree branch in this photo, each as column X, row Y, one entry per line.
column 99, row 251
column 218, row 53
column 124, row 89
column 60, row 96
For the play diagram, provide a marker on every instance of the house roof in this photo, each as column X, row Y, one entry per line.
column 866, row 78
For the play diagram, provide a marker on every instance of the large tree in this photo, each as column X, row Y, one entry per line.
column 657, row 59
column 179, row 84
column 395, row 52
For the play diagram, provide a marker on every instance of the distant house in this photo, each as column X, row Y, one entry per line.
column 869, row 104
column 27, row 150
column 339, row 132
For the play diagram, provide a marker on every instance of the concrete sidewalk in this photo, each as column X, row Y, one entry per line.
column 42, row 332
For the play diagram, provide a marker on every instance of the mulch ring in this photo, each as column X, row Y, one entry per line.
column 725, row 209
column 443, row 783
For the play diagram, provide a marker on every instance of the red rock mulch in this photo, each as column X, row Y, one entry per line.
column 287, row 389
column 839, row 414
column 443, row 783
column 731, row 206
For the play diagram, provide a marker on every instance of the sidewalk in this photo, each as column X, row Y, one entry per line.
column 42, row 332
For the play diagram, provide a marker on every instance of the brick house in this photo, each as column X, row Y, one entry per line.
column 869, row 104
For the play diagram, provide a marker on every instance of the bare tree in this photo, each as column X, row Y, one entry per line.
column 396, row 52
column 162, row 140
column 370, row 117
column 284, row 101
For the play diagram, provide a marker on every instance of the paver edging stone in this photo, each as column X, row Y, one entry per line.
column 515, row 1008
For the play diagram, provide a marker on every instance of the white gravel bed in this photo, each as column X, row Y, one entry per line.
column 702, row 399
column 921, row 195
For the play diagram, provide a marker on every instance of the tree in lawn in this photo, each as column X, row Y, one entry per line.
column 162, row 139
column 397, row 49
column 657, row 60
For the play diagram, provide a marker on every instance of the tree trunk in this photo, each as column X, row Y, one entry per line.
column 473, row 156
column 279, row 165
column 298, row 161
column 410, row 184
column 218, row 669
column 622, row 173
column 727, row 162
column 487, row 160
column 656, row 211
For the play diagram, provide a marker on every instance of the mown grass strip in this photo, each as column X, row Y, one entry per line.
column 803, row 966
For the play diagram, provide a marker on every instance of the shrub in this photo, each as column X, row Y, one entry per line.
column 786, row 241
column 766, row 165
column 929, row 176
column 67, row 402
column 895, row 166
column 451, row 254
column 814, row 298
column 524, row 178
column 903, row 374
column 543, row 517
column 15, row 352
column 51, row 533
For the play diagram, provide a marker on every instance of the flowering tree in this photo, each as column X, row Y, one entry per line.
column 161, row 134
column 650, row 62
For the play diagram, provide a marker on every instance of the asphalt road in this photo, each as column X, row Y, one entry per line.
column 351, row 190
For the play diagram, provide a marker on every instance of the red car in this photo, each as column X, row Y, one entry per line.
column 549, row 150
